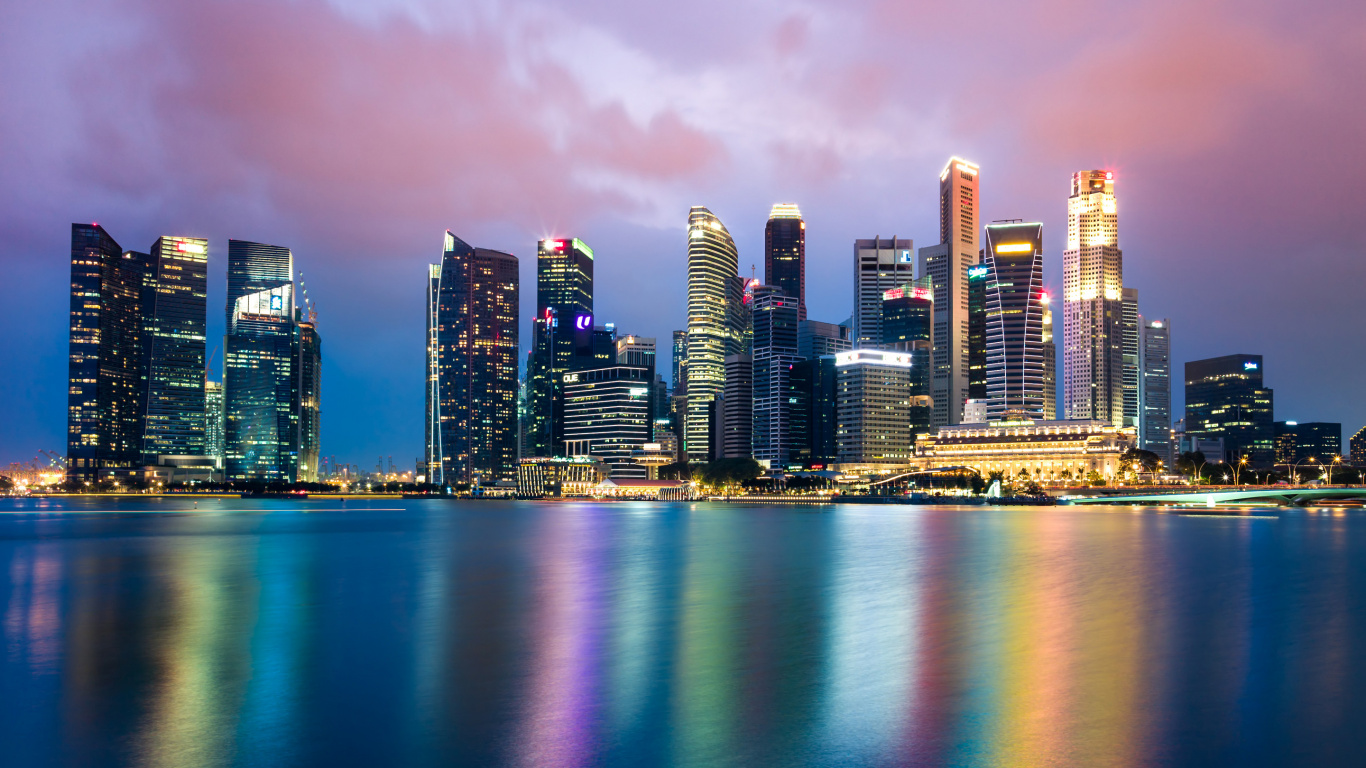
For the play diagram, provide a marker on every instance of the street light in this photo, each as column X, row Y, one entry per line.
column 1329, row 467
column 1242, row 463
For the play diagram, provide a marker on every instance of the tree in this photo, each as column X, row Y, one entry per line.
column 728, row 472
column 1138, row 460
column 6, row 484
column 680, row 470
column 1191, row 463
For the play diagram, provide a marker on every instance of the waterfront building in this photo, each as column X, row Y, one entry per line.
column 607, row 416
column 639, row 352
column 1302, row 440
column 1029, row 450
column 785, row 254
column 431, row 450
column 977, row 335
column 735, row 412
column 873, row 407
column 947, row 264
column 1131, row 333
column 1225, row 399
column 908, row 326
column 214, row 435
column 104, row 384
column 713, row 332
column 174, row 307
column 1014, row 321
column 308, row 370
column 815, row 396
column 563, row 336
column 879, row 266
column 261, row 388
column 1212, row 448
column 816, row 338
column 542, row 476
column 774, row 319
column 1050, row 362
column 1155, row 389
column 974, row 411
column 475, row 355
column 255, row 267
column 1358, row 448
column 1093, row 302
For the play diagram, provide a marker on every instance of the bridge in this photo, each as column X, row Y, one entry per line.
column 1290, row 496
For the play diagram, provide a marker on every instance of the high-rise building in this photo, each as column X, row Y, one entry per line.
column 774, row 320
column 1302, row 440
column 1132, row 333
column 261, row 388
column 873, row 411
column 105, row 361
column 1225, row 399
column 607, row 416
column 879, row 266
column 1093, row 302
column 431, row 451
column 308, row 373
column 815, row 338
column 214, row 436
column 639, row 352
column 713, row 314
column 174, row 306
column 736, row 409
column 679, row 363
column 1014, row 320
column 947, row 264
column 476, row 365
column 1358, row 448
column 815, row 423
column 977, row 333
column 1050, row 362
column 255, row 267
column 1155, row 389
column 562, row 336
column 785, row 254
column 908, row 326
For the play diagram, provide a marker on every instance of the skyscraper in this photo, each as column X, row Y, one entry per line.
column 1131, row 334
column 640, row 352
column 713, row 315
column 774, row 319
column 174, row 306
column 908, row 326
column 476, row 365
column 815, row 338
column 254, row 267
column 679, row 363
column 431, row 452
column 105, row 361
column 1093, row 302
column 1014, row 320
column 308, row 373
column 947, row 264
column 785, row 253
column 873, row 408
column 261, row 388
column 1050, row 362
column 977, row 333
column 562, row 335
column 214, row 436
column 879, row 266
column 607, row 416
column 1225, row 399
column 736, row 411
column 1155, row 389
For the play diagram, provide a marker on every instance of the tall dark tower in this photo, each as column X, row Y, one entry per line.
column 475, row 359
column 255, row 267
column 103, row 395
column 785, row 253
column 1015, row 307
column 174, row 309
column 562, row 336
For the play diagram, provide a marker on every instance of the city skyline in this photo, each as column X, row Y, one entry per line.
column 1175, row 191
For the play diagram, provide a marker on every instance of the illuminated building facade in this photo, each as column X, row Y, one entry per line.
column 1050, row 363
column 105, row 361
column 714, row 324
column 476, row 365
column 1041, row 451
column 607, row 416
column 775, row 317
column 1225, row 400
column 562, row 336
column 308, row 370
column 174, row 305
column 1131, row 333
column 1302, row 440
column 1358, row 447
column 908, row 326
column 815, row 393
column 1015, row 305
column 1093, row 302
column 254, row 267
column 947, row 264
column 214, row 436
column 879, row 266
column 977, row 333
column 1155, row 389
column 431, row 453
column 873, row 407
column 542, row 476
column 785, row 254
column 261, row 388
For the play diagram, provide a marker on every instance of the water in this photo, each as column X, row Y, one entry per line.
column 373, row 633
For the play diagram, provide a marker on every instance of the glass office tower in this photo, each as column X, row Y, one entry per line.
column 262, row 389
column 562, row 336
column 1015, row 307
column 174, row 303
column 785, row 253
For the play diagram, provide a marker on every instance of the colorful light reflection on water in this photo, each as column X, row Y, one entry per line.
column 549, row 634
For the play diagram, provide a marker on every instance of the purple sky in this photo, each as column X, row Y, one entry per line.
column 356, row 133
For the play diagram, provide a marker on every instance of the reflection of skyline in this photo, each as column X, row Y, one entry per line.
column 548, row 634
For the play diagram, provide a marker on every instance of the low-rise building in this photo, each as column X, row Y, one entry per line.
column 1046, row 451
column 542, row 477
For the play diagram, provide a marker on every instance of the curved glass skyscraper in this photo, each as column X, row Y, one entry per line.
column 713, row 322
column 1015, row 306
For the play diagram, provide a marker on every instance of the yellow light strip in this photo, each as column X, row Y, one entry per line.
column 1015, row 248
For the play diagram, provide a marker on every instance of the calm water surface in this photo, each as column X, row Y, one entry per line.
column 560, row 634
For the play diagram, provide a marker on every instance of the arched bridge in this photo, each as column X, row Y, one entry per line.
column 1283, row 495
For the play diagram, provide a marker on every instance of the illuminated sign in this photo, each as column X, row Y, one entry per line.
column 1015, row 248
column 966, row 169
column 1044, row 299
column 582, row 247
column 915, row 292
column 570, row 378
column 1250, row 365
column 450, row 241
column 189, row 247
column 583, row 322
column 977, row 271
column 276, row 303
column 1109, row 174
column 874, row 357
column 905, row 257
column 639, row 391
